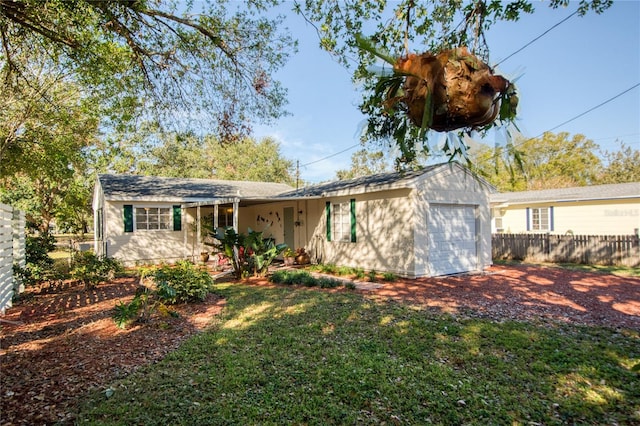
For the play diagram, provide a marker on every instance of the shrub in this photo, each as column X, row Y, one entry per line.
column 183, row 282
column 180, row 283
column 303, row 278
column 92, row 270
column 389, row 276
column 250, row 253
column 38, row 265
column 145, row 300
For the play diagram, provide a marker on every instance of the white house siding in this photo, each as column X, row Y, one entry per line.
column 268, row 218
column 614, row 217
column 384, row 237
column 141, row 246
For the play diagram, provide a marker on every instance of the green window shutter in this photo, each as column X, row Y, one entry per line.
column 353, row 220
column 177, row 218
column 328, row 211
column 128, row 218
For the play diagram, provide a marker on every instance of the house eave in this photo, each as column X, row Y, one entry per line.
column 504, row 204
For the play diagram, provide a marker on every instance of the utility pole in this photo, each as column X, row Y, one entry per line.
column 297, row 174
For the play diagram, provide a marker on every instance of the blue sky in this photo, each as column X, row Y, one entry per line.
column 578, row 65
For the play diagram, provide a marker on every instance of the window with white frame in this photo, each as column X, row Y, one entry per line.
column 341, row 222
column 540, row 219
column 153, row 218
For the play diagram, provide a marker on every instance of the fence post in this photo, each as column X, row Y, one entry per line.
column 6, row 257
column 19, row 246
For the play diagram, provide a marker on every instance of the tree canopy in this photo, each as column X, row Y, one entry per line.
column 554, row 161
column 188, row 155
column 365, row 163
column 208, row 64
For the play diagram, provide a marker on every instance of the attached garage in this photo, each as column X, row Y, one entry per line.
column 452, row 239
column 429, row 222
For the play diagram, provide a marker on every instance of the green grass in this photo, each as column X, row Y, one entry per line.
column 292, row 356
column 623, row 271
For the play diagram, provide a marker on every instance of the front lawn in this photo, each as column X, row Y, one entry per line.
column 281, row 355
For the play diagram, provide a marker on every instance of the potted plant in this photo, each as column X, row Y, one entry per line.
column 204, row 256
column 302, row 258
column 289, row 256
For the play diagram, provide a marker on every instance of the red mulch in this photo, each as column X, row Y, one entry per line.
column 528, row 293
column 61, row 342
column 58, row 343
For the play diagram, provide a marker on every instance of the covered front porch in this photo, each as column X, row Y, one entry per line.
column 290, row 221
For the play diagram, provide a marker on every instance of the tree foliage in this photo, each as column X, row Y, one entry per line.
column 621, row 166
column 42, row 143
column 551, row 161
column 392, row 30
column 188, row 155
column 365, row 163
column 206, row 62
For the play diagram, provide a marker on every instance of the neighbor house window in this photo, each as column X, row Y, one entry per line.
column 341, row 221
column 153, row 218
column 540, row 219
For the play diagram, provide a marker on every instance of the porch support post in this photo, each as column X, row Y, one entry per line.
column 215, row 216
column 198, row 229
column 236, row 205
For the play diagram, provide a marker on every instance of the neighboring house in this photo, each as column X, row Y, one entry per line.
column 435, row 221
column 589, row 210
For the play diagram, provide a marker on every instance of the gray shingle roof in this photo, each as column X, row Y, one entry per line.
column 131, row 187
column 595, row 192
column 369, row 182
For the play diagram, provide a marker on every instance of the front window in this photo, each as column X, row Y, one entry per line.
column 225, row 217
column 540, row 219
column 341, row 222
column 153, row 218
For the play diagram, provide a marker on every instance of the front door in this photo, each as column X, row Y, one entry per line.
column 289, row 236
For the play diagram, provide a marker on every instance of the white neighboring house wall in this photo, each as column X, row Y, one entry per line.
column 12, row 251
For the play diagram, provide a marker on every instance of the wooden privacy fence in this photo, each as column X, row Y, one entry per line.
column 623, row 250
column 12, row 250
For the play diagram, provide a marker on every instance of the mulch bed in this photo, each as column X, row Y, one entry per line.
column 58, row 343
column 528, row 293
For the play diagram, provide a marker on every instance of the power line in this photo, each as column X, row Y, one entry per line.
column 330, row 156
column 516, row 145
column 537, row 38
column 591, row 109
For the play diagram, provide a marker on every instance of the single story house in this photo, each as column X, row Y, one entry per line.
column 434, row 221
column 588, row 210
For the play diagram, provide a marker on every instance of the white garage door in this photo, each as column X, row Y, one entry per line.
column 452, row 239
